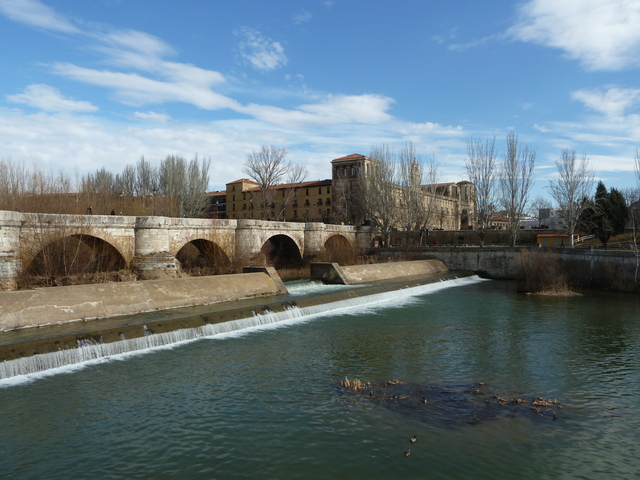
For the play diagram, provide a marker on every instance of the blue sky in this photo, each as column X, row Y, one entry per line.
column 87, row 84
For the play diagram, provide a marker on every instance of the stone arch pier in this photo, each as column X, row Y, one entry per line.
column 155, row 246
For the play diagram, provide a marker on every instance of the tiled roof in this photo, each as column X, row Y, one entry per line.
column 353, row 156
column 242, row 180
column 217, row 193
column 313, row 183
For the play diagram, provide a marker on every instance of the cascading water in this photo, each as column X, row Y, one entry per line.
column 87, row 353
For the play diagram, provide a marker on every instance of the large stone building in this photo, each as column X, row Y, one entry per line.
column 337, row 200
column 451, row 205
column 295, row 202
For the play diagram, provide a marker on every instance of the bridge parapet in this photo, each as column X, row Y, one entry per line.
column 150, row 244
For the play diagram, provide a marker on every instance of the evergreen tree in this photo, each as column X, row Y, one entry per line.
column 605, row 215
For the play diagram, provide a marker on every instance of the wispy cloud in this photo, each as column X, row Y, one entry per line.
column 259, row 51
column 477, row 43
column 601, row 34
column 49, row 99
column 33, row 12
column 613, row 102
column 136, row 89
column 152, row 117
column 331, row 110
column 301, row 17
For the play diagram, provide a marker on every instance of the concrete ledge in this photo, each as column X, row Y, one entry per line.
column 355, row 274
column 45, row 306
column 53, row 338
column 271, row 271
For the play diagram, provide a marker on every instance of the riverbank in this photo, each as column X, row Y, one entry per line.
column 81, row 303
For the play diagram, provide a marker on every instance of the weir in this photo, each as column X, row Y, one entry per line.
column 30, row 359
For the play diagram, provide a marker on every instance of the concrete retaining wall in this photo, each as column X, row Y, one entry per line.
column 355, row 274
column 613, row 270
column 43, row 306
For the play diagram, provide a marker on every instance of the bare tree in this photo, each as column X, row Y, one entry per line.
column 146, row 180
column 431, row 172
column 171, row 180
column 343, row 195
column 571, row 188
column 378, row 191
column 266, row 167
column 516, row 180
column 297, row 173
column 481, row 170
column 410, row 173
column 194, row 202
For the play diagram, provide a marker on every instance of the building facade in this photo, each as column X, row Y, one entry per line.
column 338, row 200
column 451, row 206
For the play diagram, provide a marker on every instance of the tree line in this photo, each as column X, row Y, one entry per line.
column 173, row 187
column 505, row 186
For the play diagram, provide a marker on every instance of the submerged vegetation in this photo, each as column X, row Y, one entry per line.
column 464, row 404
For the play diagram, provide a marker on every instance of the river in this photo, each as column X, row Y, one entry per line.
column 264, row 401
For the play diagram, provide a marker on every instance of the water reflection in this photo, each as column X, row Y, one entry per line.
column 266, row 404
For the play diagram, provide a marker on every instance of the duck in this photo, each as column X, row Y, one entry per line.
column 408, row 452
column 414, row 439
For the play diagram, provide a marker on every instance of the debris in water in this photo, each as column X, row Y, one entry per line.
column 449, row 404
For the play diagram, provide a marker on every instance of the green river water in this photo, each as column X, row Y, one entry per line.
column 264, row 402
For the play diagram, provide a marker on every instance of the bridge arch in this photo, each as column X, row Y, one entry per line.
column 281, row 251
column 68, row 255
column 203, row 257
column 339, row 250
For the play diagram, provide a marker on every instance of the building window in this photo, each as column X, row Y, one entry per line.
column 307, row 191
column 244, row 206
column 234, row 197
column 353, row 170
column 319, row 201
column 328, row 201
column 345, row 171
column 319, row 190
column 328, row 189
column 306, row 202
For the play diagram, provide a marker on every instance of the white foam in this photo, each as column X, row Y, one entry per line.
column 29, row 369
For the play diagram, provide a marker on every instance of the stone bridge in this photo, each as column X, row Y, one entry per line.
column 152, row 246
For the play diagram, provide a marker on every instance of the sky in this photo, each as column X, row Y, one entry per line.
column 101, row 83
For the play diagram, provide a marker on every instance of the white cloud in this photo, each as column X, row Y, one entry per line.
column 481, row 42
column 601, row 34
column 50, row 99
column 612, row 102
column 33, row 12
column 135, row 41
column 541, row 128
column 610, row 163
column 136, row 89
column 301, row 17
column 332, row 110
column 152, row 117
column 259, row 51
